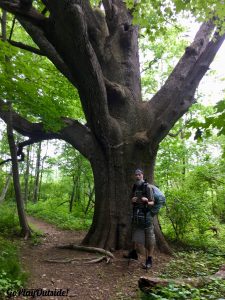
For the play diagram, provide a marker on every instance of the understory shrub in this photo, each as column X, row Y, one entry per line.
column 11, row 275
column 57, row 213
column 186, row 265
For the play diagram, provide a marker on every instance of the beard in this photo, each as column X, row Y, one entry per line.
column 139, row 182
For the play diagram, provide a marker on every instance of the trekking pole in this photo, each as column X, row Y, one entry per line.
column 146, row 251
column 131, row 233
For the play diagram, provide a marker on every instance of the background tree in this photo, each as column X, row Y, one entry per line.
column 37, row 174
column 26, row 231
column 97, row 51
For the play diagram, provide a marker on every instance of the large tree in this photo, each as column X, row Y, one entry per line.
column 97, row 51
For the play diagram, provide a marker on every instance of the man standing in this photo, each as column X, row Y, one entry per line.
column 142, row 222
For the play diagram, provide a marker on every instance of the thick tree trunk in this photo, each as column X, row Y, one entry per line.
column 114, row 178
column 16, row 181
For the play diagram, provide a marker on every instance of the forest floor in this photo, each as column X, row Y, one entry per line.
column 114, row 281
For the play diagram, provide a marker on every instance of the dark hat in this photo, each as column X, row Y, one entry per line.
column 138, row 171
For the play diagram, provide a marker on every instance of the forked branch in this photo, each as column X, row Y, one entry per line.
column 177, row 94
column 73, row 132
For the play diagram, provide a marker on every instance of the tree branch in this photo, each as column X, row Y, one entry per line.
column 150, row 64
column 31, row 14
column 5, row 161
column 123, row 39
column 26, row 47
column 71, row 39
column 108, row 9
column 181, row 128
column 116, row 14
column 73, row 132
column 177, row 94
column 38, row 36
column 65, row 40
column 34, row 23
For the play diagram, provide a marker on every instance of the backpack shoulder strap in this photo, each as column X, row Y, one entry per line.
column 134, row 188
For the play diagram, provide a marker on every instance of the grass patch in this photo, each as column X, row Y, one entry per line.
column 11, row 275
column 9, row 222
column 215, row 290
column 58, row 215
column 191, row 264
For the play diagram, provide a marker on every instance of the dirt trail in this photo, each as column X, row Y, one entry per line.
column 101, row 281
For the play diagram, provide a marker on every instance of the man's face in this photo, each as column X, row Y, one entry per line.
column 139, row 176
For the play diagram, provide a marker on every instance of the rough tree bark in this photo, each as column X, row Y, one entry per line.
column 98, row 53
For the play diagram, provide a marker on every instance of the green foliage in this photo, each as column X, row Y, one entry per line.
column 9, row 223
column 217, row 120
column 75, row 180
column 11, row 276
column 48, row 98
column 159, row 57
column 191, row 264
column 212, row 123
column 193, row 208
column 190, row 172
column 214, row 290
column 156, row 16
column 95, row 3
column 57, row 213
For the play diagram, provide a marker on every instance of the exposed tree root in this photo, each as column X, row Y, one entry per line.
column 67, row 260
column 86, row 249
column 146, row 284
column 79, row 260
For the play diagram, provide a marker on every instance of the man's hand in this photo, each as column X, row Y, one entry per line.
column 144, row 200
column 134, row 199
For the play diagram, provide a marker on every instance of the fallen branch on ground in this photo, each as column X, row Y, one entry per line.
column 146, row 284
column 87, row 249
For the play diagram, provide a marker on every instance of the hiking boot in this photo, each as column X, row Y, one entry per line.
column 148, row 263
column 132, row 255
